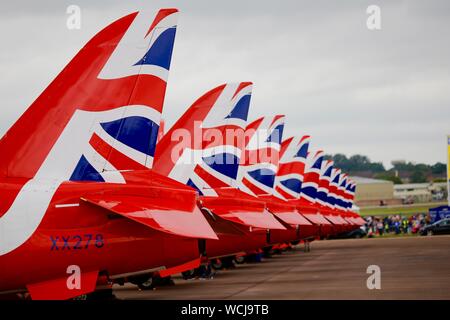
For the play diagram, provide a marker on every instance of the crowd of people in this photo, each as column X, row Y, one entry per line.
column 395, row 224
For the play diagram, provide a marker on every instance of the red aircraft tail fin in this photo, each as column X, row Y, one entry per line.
column 203, row 147
column 110, row 94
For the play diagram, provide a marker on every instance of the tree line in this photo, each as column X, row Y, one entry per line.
column 401, row 171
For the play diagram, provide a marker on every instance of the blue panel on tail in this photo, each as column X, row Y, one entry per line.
column 318, row 163
column 240, row 111
column 276, row 135
column 292, row 184
column 322, row 195
column 84, row 171
column 160, row 53
column 264, row 176
column 303, row 152
column 310, row 191
column 225, row 163
column 136, row 132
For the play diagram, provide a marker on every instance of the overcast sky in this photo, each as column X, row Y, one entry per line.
column 384, row 93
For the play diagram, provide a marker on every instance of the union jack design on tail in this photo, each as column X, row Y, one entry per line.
column 99, row 116
column 339, row 200
column 125, row 138
column 257, row 171
column 215, row 124
column 311, row 179
column 324, row 184
column 289, row 178
column 349, row 194
column 342, row 201
column 352, row 194
column 333, row 194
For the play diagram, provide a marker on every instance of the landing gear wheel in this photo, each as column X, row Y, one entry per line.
column 217, row 264
column 143, row 282
column 146, row 285
column 239, row 259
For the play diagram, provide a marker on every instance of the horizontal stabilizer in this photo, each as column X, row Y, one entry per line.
column 238, row 207
column 258, row 219
column 156, row 214
column 293, row 218
column 317, row 219
column 342, row 220
column 357, row 220
column 222, row 226
column 335, row 220
column 285, row 211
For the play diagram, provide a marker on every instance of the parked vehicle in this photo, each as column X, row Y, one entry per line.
column 439, row 227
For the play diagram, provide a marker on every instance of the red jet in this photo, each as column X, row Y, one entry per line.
column 79, row 206
column 202, row 150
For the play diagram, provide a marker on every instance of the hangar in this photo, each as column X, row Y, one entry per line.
column 373, row 192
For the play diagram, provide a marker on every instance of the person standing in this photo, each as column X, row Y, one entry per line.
column 380, row 227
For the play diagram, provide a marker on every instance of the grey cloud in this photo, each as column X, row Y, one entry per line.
column 381, row 93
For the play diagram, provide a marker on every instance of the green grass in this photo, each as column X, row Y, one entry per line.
column 403, row 210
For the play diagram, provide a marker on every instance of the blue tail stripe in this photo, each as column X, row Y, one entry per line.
column 310, row 192
column 160, row 53
column 292, row 184
column 322, row 195
column 84, row 171
column 225, row 163
column 264, row 176
column 276, row 134
column 240, row 111
column 331, row 200
column 303, row 152
column 136, row 132
column 318, row 163
column 328, row 172
column 336, row 179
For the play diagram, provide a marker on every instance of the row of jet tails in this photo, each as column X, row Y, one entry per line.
column 93, row 193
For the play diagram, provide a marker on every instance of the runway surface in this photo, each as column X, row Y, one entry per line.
column 411, row 268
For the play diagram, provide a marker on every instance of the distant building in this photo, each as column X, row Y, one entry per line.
column 421, row 192
column 374, row 192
